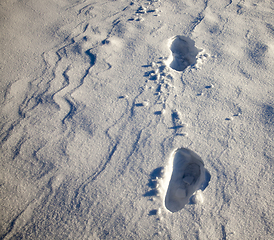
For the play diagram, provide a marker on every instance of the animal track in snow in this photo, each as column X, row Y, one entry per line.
column 161, row 81
column 143, row 10
column 178, row 125
column 154, row 182
column 188, row 176
column 183, row 53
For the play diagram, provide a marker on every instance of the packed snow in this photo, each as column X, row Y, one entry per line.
column 137, row 119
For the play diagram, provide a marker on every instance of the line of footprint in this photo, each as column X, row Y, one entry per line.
column 185, row 173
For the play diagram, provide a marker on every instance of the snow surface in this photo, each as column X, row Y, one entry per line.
column 96, row 95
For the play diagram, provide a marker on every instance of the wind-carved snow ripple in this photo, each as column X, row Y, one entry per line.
column 77, row 68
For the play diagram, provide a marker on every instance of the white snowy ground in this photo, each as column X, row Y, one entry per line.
column 91, row 113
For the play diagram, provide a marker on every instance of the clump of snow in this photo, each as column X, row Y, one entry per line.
column 198, row 197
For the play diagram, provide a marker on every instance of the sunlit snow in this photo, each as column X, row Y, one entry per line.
column 137, row 119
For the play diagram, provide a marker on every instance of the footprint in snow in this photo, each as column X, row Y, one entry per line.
column 183, row 52
column 180, row 183
column 188, row 176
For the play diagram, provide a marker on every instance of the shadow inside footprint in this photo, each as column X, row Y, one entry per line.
column 184, row 53
column 188, row 175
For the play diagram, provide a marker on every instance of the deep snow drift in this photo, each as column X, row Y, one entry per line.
column 97, row 96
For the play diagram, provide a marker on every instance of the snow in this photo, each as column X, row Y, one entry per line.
column 97, row 96
column 188, row 176
column 183, row 53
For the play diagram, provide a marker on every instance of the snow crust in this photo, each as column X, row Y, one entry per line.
column 97, row 97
